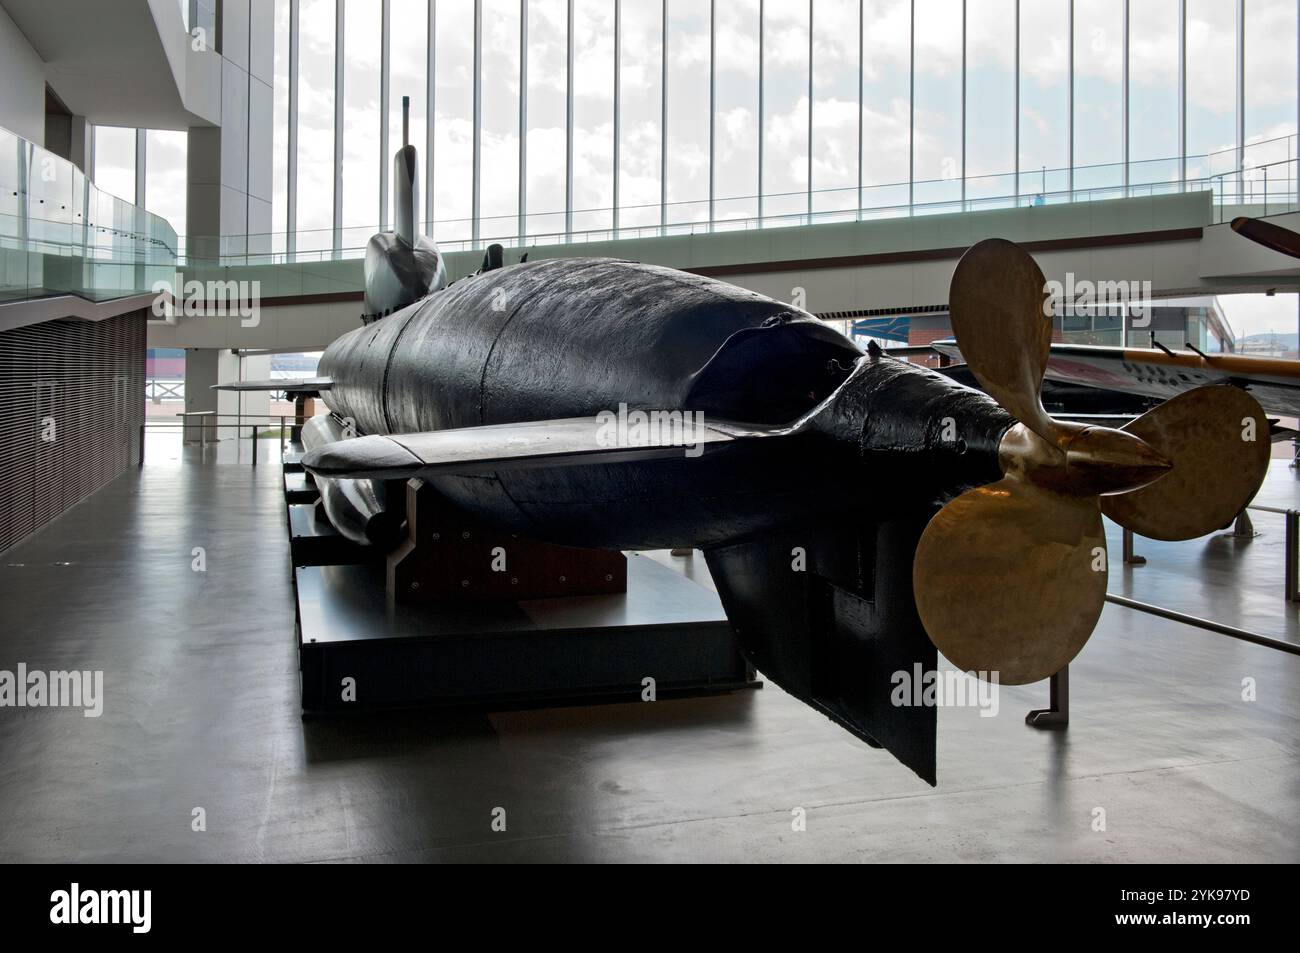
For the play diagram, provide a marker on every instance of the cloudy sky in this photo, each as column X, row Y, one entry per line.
column 1257, row 313
column 991, row 119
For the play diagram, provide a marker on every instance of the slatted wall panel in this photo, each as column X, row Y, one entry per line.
column 85, row 377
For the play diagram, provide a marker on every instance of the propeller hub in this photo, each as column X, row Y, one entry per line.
column 1083, row 460
column 1113, row 461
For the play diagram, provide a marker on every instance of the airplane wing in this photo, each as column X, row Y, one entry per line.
column 1162, row 374
column 292, row 385
column 540, row 443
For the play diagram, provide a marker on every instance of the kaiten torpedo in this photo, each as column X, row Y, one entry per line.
column 858, row 514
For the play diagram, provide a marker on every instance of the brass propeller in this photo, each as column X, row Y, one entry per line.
column 1010, row 578
column 996, row 302
column 1217, row 439
column 1004, row 579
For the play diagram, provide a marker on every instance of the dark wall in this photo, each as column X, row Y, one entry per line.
column 58, row 126
column 80, row 383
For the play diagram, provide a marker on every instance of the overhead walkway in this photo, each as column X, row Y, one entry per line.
column 69, row 249
column 852, row 253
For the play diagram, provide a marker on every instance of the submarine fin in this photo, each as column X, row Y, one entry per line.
column 827, row 612
column 293, row 385
column 533, row 444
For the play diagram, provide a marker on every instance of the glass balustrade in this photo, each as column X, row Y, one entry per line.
column 1263, row 185
column 59, row 234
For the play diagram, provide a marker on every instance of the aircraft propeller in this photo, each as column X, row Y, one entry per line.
column 1268, row 234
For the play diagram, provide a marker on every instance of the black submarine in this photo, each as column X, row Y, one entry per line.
column 858, row 513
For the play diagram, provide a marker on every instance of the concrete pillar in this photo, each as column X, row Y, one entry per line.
column 230, row 167
column 82, row 151
column 205, row 366
column 256, row 403
column 200, row 375
column 229, row 403
column 203, row 221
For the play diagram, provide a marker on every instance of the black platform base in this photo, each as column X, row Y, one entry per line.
column 298, row 488
column 314, row 542
column 357, row 650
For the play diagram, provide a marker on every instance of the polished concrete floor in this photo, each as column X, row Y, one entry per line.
column 202, row 712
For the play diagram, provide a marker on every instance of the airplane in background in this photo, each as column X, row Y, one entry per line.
column 1159, row 372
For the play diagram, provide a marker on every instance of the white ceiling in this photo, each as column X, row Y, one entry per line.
column 106, row 59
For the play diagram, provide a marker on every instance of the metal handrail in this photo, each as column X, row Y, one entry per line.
column 856, row 206
column 1207, row 624
column 1291, row 570
column 1243, row 171
column 1291, row 582
column 212, row 418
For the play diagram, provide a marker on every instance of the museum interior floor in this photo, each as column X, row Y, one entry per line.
column 202, row 711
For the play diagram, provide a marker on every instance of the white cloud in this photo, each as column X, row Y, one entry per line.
column 1259, row 314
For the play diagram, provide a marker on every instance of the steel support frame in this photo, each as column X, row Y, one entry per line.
column 291, row 176
column 476, row 171
column 762, row 112
column 811, row 101
column 141, row 148
column 568, row 124
column 1069, row 101
column 340, row 10
column 618, row 113
column 663, row 117
column 911, row 107
column 430, row 98
column 1125, row 116
column 385, row 94
column 523, row 122
column 1241, row 99
column 861, row 24
column 1182, row 93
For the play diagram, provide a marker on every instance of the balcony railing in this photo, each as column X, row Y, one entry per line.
column 1263, row 176
column 60, row 234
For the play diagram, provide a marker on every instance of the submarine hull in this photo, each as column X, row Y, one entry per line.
column 493, row 349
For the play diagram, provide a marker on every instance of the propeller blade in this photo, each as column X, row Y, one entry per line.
column 1217, row 438
column 1010, row 578
column 1269, row 235
column 996, row 305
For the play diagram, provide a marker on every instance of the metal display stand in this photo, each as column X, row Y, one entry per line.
column 1130, row 557
column 359, row 648
column 508, row 654
column 1057, row 712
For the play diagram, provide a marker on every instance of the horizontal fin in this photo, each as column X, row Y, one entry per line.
column 293, row 385
column 540, row 443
